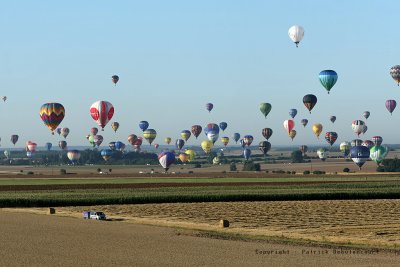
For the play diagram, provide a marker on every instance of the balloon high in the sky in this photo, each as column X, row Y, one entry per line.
column 390, row 105
column 288, row 125
column 395, row 73
column 265, row 108
column 317, row 129
column 236, row 137
column 94, row 130
column 359, row 154
column 115, row 79
column 150, row 135
column 358, row 127
column 309, row 101
column 14, row 139
column 143, row 125
column 98, row 139
column 267, row 133
column 58, row 130
column 332, row 119
column 52, row 115
column 132, row 139
column 115, row 126
column 328, row 79
column 102, row 112
column 293, row 112
column 366, row 114
column 223, row 125
column 331, row 137
column 196, row 130
column 304, row 122
column 296, row 34
column 209, row 107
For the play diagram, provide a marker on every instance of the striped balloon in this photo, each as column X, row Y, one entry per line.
column 102, row 112
column 267, row 132
column 328, row 79
column 395, row 73
column 166, row 159
column 52, row 115
column 390, row 105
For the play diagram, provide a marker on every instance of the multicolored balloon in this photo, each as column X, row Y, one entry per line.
column 377, row 140
column 52, row 115
column 74, row 156
column 288, row 125
column 395, row 73
column 166, row 159
column 179, row 143
column 367, row 143
column 359, row 154
column 94, row 131
column 328, row 79
column 111, row 145
column 265, row 108
column 358, row 127
column 132, row 139
column 167, row 140
column 115, row 126
column 191, row 153
column 267, row 133
column 102, row 112
column 309, row 101
column 378, row 154
column 345, row 148
column 331, row 137
column 248, row 139
column 296, row 34
column 183, row 157
column 150, row 135
column 64, row 132
column 98, row 139
column 390, row 105
column 31, row 146
column 356, row 142
column 185, row 134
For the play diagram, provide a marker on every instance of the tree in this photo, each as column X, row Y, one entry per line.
column 297, row 156
column 249, row 165
column 232, row 167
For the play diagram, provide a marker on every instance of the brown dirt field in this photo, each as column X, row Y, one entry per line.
column 47, row 240
column 361, row 222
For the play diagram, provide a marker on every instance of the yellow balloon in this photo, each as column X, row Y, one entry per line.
column 292, row 134
column 167, row 140
column 206, row 145
column 184, row 157
column 317, row 129
column 225, row 140
column 191, row 154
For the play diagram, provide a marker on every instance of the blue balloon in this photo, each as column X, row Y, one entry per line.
column 111, row 145
column 223, row 126
column 293, row 113
column 166, row 159
column 236, row 137
column 180, row 143
column 211, row 127
column 143, row 125
column 48, row 146
column 106, row 152
column 359, row 154
column 242, row 143
column 246, row 153
column 119, row 146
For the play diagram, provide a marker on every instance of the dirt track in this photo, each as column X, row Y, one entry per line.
column 44, row 240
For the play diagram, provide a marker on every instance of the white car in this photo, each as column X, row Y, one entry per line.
column 94, row 215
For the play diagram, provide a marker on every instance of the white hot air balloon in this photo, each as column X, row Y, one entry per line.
column 296, row 33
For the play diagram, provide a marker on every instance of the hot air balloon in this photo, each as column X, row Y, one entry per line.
column 209, row 106
column 156, row 146
column 48, row 146
column 29, row 154
column 303, row 149
column 367, row 143
column 74, row 156
column 223, row 125
column 64, row 132
column 167, row 140
column 310, row 101
column 138, row 141
column 292, row 134
column 366, row 114
column 332, row 119
column 98, row 139
column 7, row 153
column 91, row 140
column 265, row 108
column 304, row 122
column 184, row 157
column 356, row 142
column 390, row 105
column 328, row 79
column 58, row 130
column 4, row 98
column 115, row 126
column 212, row 135
column 322, row 153
column 150, row 135
column 143, row 125
column 247, row 140
column 62, row 144
column 264, row 146
column 225, row 140
column 106, row 154
column 179, row 143
column 293, row 112
column 185, row 134
column 242, row 144
column 246, row 153
column 115, row 79
column 288, row 125
column 377, row 140
column 359, row 154
column 14, row 139
column 207, row 145
column 94, row 131
column 216, row 160
column 267, row 132
column 345, row 148
column 358, row 126
column 52, row 115
column 111, row 145
column 102, row 112
column 166, row 159
column 31, row 146
column 191, row 153
column 196, row 130
column 365, row 129
column 296, row 34
column 378, row 154
column 395, row 73
column 211, row 127
column 331, row 137
column 236, row 137
column 317, row 129
column 120, row 146
column 132, row 139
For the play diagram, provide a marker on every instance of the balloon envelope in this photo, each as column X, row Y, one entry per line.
column 359, row 154
column 52, row 115
column 196, row 130
column 293, row 112
column 296, row 34
column 166, row 159
column 223, row 125
column 143, row 125
column 267, row 133
column 395, row 73
column 74, row 156
column 236, row 137
column 309, row 101
column 102, row 112
column 265, row 108
column 328, row 79
column 209, row 106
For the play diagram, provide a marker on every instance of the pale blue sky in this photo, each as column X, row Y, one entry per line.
column 175, row 56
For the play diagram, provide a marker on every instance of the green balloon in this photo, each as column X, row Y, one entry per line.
column 378, row 153
column 265, row 108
